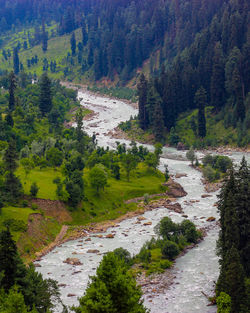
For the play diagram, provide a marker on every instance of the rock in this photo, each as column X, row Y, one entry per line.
column 88, row 239
column 74, row 252
column 72, row 261
column 206, row 196
column 62, row 285
column 211, row 219
column 147, row 224
column 179, row 175
column 93, row 251
column 77, row 272
column 185, row 215
column 180, row 146
column 71, row 295
column 110, row 236
column 176, row 207
column 37, row 265
column 175, row 190
column 141, row 218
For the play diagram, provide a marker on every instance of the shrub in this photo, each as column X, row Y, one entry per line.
column 146, row 198
column 223, row 303
column 123, row 254
column 144, row 255
column 170, row 250
column 34, row 206
column 189, row 231
column 34, row 189
column 210, row 174
column 25, row 203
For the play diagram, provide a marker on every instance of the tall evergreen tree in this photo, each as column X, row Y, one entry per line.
column 8, row 259
column 243, row 213
column 158, row 123
column 218, row 78
column 45, row 96
column 16, row 65
column 142, row 101
column 12, row 87
column 44, row 38
column 73, row 43
column 84, row 34
column 201, row 101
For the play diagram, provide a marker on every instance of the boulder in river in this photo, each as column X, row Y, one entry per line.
column 93, row 251
column 72, row 261
column 211, row 219
column 110, row 236
column 175, row 190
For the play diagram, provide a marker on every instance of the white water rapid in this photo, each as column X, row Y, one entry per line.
column 195, row 272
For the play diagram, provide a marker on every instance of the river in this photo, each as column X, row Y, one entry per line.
column 195, row 272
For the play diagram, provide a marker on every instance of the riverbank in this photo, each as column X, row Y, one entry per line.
column 167, row 200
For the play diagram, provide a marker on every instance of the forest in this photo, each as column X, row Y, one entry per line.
column 186, row 64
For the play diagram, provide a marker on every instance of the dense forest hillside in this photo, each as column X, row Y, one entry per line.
column 193, row 54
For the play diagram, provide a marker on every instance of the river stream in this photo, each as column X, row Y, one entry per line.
column 195, row 272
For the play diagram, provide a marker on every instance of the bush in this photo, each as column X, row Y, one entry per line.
column 15, row 225
column 25, row 204
column 223, row 303
column 210, row 174
column 170, row 250
column 189, row 231
column 144, row 255
column 34, row 206
column 123, row 254
column 165, row 228
column 34, row 189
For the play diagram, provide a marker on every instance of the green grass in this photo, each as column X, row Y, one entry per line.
column 44, row 179
column 117, row 92
column 58, row 48
column 109, row 204
column 16, row 213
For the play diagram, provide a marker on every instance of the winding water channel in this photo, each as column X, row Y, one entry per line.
column 195, row 272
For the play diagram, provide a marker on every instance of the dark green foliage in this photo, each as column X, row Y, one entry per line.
column 201, row 101
column 8, row 259
column 112, row 290
column 142, row 102
column 36, row 292
column 73, row 43
column 123, row 254
column 12, row 87
column 16, row 65
column 170, row 250
column 233, row 246
column 45, row 97
column 54, row 157
column 34, row 189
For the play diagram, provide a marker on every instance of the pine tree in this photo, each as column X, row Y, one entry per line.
column 73, row 43
column 16, row 61
column 158, row 124
column 44, row 38
column 234, row 280
column 12, row 87
column 10, row 157
column 8, row 259
column 142, row 93
column 217, row 89
column 201, row 101
column 45, row 96
column 112, row 290
column 243, row 213
column 84, row 34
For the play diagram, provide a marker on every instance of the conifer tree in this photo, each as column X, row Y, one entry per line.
column 16, row 65
column 243, row 213
column 142, row 93
column 158, row 123
column 8, row 259
column 44, row 38
column 84, row 34
column 112, row 290
column 217, row 91
column 45, row 96
column 73, row 43
column 12, row 87
column 201, row 100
